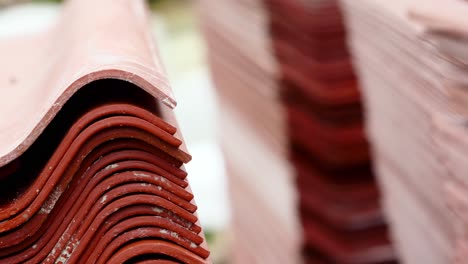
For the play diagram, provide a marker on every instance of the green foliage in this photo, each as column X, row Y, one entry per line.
column 47, row 1
column 210, row 236
column 58, row 1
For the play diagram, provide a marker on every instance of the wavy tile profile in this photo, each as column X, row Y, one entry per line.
column 90, row 154
column 92, row 40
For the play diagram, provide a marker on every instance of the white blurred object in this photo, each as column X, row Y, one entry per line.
column 182, row 53
column 209, row 185
column 27, row 18
column 196, row 113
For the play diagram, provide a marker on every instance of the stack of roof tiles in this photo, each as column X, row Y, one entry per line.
column 265, row 221
column 339, row 199
column 91, row 160
column 412, row 63
column 288, row 92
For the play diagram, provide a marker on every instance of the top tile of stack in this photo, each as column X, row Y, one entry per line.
column 92, row 40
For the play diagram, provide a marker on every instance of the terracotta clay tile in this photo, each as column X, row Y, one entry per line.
column 94, row 159
column 346, row 229
column 302, row 110
column 133, row 58
column 413, row 77
column 112, row 180
column 153, row 247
